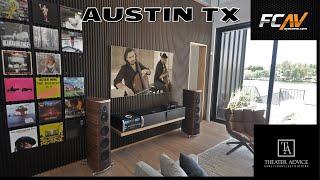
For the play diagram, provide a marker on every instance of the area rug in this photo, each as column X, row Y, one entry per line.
column 216, row 163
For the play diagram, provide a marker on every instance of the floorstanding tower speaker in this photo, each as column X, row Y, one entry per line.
column 98, row 134
column 192, row 103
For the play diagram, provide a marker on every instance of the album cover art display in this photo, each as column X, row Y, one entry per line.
column 46, row 38
column 71, row 42
column 21, row 114
column 48, row 87
column 18, row 89
column 22, row 139
column 51, row 133
column 48, row 64
column 74, row 128
column 16, row 62
column 74, row 108
column 155, row 75
column 15, row 35
column 45, row 13
column 50, row 111
column 71, row 18
column 73, row 86
column 14, row 9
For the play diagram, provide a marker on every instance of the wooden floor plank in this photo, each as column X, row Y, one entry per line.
column 172, row 144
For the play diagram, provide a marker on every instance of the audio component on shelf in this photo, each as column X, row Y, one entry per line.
column 98, row 134
column 126, row 122
column 151, row 116
column 146, row 117
column 175, row 111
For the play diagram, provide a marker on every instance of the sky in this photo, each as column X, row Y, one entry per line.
column 259, row 52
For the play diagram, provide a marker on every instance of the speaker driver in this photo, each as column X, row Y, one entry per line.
column 104, row 131
column 104, row 143
column 104, row 109
column 196, row 118
column 104, row 117
column 196, row 109
column 197, row 99
column 104, row 155
column 197, row 126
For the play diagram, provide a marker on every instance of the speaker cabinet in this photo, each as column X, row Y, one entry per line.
column 98, row 134
column 192, row 103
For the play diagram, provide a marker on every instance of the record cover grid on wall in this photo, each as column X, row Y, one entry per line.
column 34, row 74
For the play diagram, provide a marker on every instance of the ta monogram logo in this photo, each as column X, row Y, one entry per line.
column 286, row 147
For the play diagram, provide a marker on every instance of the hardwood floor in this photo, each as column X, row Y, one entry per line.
column 149, row 151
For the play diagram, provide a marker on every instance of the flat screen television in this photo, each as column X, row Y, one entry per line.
column 139, row 71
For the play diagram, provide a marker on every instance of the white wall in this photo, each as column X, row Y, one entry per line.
column 244, row 16
column 193, row 70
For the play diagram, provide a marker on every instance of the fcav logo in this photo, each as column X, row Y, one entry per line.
column 286, row 147
column 295, row 21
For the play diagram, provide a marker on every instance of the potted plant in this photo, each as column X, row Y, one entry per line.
column 242, row 98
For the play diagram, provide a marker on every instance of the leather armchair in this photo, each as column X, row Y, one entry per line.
column 240, row 125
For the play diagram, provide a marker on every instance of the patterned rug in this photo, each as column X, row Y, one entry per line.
column 216, row 163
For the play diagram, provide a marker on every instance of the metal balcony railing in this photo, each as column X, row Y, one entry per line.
column 286, row 94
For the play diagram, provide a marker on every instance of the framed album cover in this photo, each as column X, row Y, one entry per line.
column 74, row 108
column 45, row 13
column 14, row 35
column 71, row 18
column 46, row 38
column 71, row 41
column 51, row 133
column 21, row 114
column 48, row 87
column 14, row 9
column 73, row 86
column 74, row 128
column 16, row 62
column 18, row 89
column 48, row 64
column 23, row 139
column 50, row 111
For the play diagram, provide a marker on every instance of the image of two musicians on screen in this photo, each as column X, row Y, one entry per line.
column 138, row 71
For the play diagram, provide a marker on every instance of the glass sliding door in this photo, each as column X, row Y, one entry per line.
column 277, row 76
column 244, row 64
column 257, row 71
column 295, row 84
column 231, row 67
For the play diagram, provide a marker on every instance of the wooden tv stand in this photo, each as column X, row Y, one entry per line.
column 122, row 134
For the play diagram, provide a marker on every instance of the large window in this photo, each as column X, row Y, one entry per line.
column 295, row 90
column 280, row 76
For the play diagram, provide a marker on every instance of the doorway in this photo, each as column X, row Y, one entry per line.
column 197, row 70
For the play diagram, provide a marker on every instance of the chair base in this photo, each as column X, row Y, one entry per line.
column 239, row 144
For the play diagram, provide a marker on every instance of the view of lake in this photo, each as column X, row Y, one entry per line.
column 310, row 88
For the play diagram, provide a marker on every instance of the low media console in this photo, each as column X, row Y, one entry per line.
column 139, row 120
